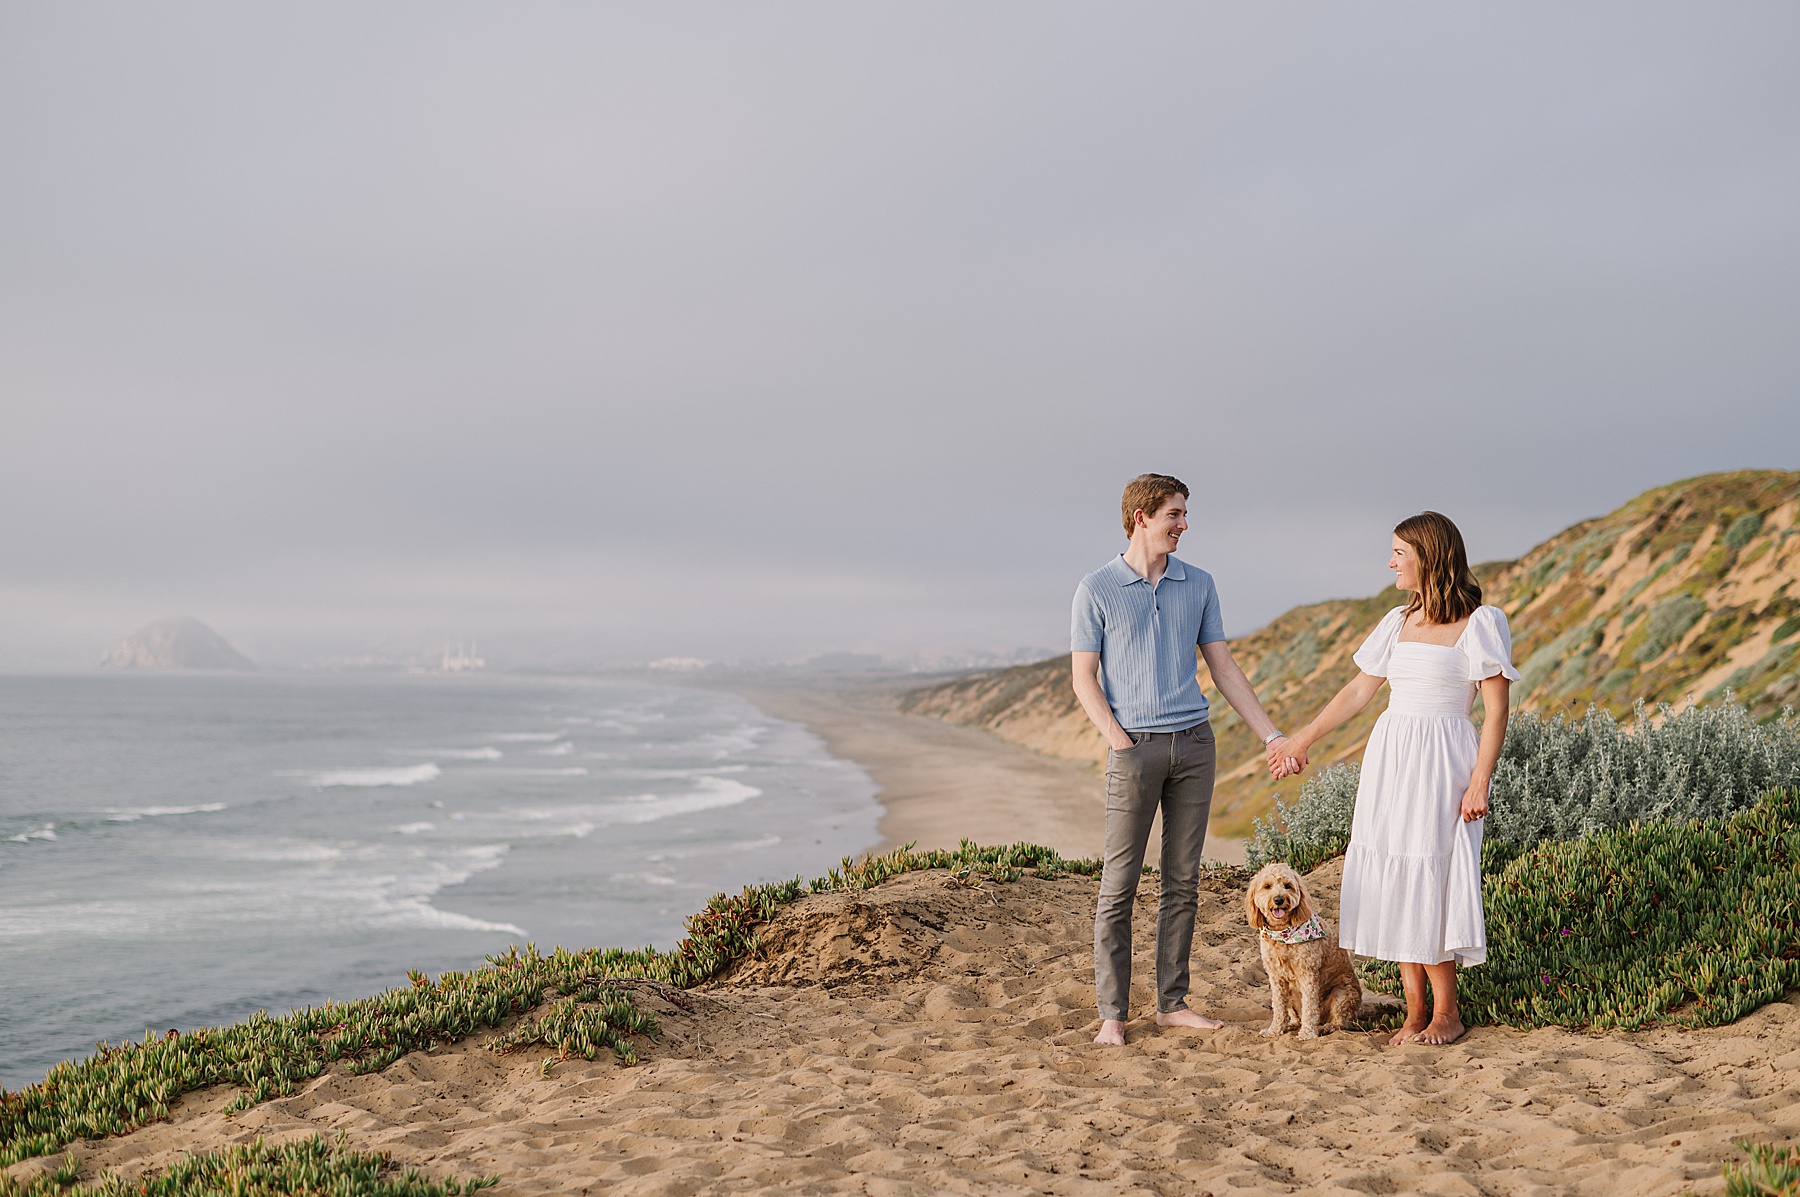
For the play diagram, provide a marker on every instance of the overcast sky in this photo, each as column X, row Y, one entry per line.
column 617, row 331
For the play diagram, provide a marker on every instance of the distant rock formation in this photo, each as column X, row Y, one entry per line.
column 175, row 644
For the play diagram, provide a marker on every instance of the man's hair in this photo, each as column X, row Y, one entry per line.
column 1447, row 591
column 1147, row 493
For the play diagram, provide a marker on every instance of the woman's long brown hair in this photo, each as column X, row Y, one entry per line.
column 1448, row 591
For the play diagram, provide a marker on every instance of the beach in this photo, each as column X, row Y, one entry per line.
column 940, row 782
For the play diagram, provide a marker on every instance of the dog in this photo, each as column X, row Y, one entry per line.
column 1309, row 974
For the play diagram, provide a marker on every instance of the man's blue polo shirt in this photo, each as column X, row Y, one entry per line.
column 1146, row 639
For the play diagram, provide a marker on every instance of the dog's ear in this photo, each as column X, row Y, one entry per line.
column 1304, row 911
column 1252, row 912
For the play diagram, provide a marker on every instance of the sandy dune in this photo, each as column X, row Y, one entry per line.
column 925, row 1037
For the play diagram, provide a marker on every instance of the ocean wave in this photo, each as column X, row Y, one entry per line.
column 672, row 774
column 46, row 832
column 731, row 743
column 455, row 754
column 405, row 775
column 131, row 814
column 569, row 771
column 562, row 749
column 645, row 878
column 414, row 828
column 755, row 845
column 709, row 793
column 530, row 737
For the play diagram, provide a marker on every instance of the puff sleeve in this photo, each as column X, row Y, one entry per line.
column 1487, row 642
column 1372, row 657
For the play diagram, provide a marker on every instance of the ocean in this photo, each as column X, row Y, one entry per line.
column 181, row 850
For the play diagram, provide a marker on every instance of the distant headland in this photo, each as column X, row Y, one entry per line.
column 180, row 643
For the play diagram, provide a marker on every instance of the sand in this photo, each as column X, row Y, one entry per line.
column 925, row 1038
column 940, row 782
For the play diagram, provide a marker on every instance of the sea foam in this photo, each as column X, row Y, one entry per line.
column 131, row 814
column 405, row 775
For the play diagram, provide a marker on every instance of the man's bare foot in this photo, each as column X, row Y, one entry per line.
column 1187, row 1018
column 1409, row 1031
column 1112, row 1033
column 1443, row 1029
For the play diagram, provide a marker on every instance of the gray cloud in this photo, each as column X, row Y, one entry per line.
column 765, row 329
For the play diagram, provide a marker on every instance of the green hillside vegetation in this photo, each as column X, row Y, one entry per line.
column 1689, row 924
column 1686, row 591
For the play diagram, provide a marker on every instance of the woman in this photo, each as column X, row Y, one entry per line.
column 1412, row 874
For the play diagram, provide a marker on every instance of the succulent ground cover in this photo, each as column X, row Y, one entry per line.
column 1773, row 1171
column 123, row 1086
column 317, row 1167
column 1690, row 924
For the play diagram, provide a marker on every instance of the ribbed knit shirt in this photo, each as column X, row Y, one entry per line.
column 1146, row 637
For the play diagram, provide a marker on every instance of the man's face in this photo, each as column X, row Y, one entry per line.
column 1163, row 530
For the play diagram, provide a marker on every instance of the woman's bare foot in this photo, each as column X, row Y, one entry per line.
column 1112, row 1033
column 1445, row 1028
column 1187, row 1018
column 1409, row 1031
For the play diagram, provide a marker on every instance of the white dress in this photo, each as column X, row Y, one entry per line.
column 1412, row 873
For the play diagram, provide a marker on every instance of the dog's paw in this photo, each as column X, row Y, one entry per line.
column 1270, row 1032
column 1309, row 1032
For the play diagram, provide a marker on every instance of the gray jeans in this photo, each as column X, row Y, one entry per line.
column 1172, row 771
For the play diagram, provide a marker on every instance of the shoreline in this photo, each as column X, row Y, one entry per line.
column 939, row 782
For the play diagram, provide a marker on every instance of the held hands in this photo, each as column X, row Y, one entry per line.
column 1285, row 758
column 1475, row 801
column 1119, row 740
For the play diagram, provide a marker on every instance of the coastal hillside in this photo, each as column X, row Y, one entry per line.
column 1686, row 591
column 179, row 643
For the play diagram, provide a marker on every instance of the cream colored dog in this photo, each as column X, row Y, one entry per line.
column 1308, row 971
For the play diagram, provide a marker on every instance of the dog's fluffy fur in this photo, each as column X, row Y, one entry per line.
column 1305, row 979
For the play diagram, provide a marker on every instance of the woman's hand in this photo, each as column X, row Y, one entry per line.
column 1475, row 800
column 1285, row 758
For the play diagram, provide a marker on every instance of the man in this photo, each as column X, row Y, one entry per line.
column 1137, row 621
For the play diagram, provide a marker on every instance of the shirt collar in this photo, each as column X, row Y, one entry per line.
column 1124, row 575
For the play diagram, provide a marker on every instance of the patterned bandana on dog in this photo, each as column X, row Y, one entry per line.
column 1311, row 929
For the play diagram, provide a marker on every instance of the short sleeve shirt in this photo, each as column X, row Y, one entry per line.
column 1146, row 637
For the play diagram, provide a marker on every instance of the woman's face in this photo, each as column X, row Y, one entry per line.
column 1405, row 564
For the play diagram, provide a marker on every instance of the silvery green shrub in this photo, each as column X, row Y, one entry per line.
column 1561, row 778
column 1318, row 820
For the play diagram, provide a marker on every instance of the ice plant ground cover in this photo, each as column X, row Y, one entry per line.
column 316, row 1166
column 1560, row 778
column 1690, row 924
column 1773, row 1171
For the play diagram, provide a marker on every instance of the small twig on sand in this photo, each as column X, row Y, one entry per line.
column 674, row 995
